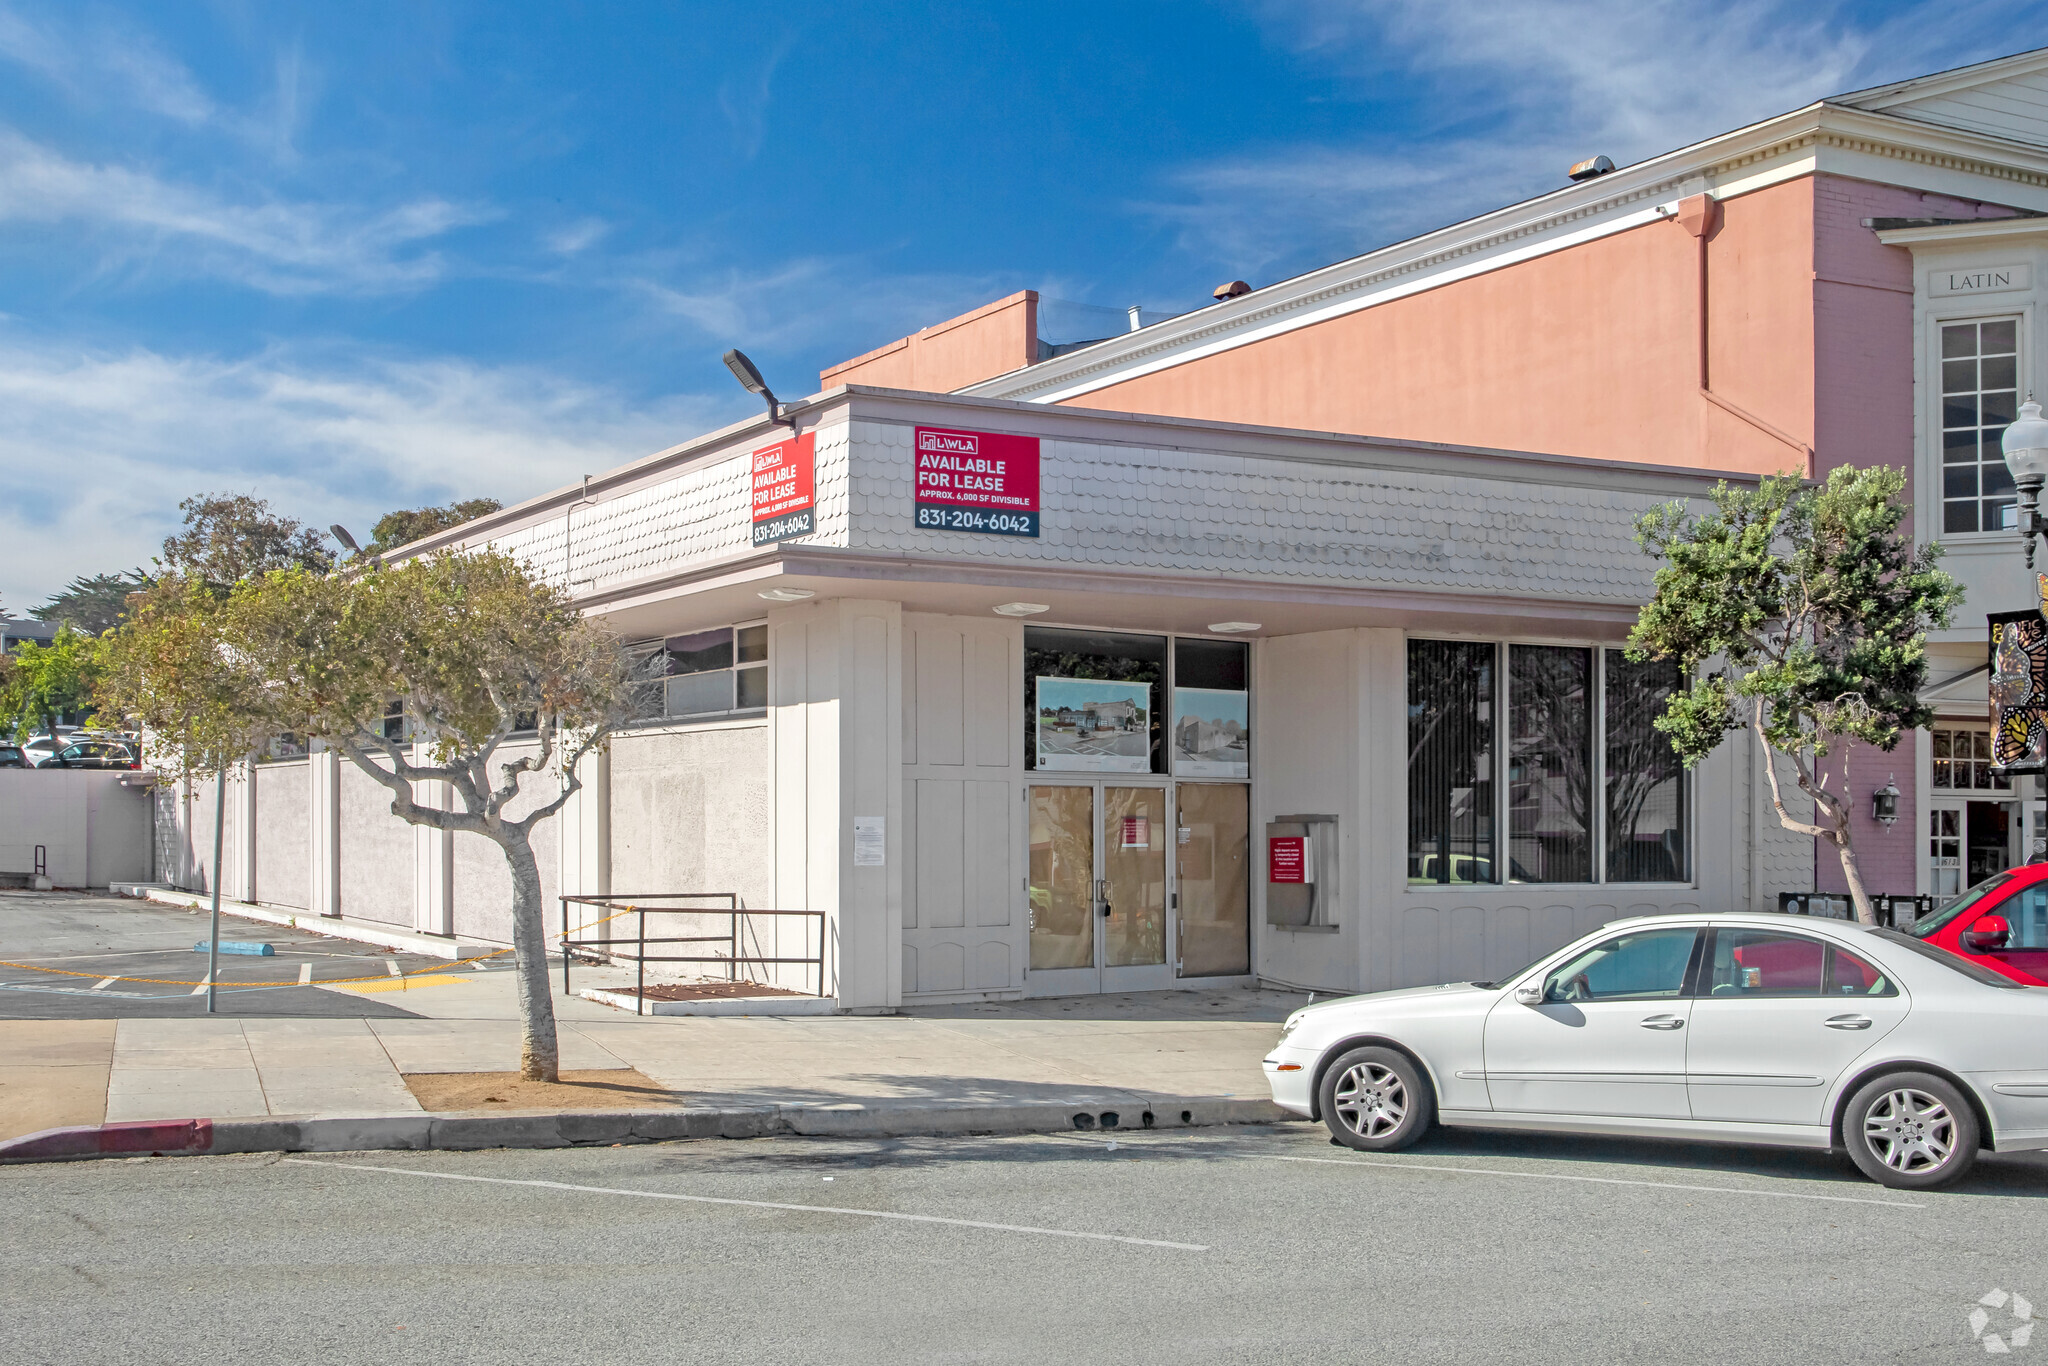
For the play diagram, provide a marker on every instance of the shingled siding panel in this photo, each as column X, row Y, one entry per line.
column 1129, row 507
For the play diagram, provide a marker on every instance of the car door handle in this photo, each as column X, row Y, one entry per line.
column 1664, row 1022
column 1848, row 1022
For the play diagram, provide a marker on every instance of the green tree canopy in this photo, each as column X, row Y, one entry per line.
column 229, row 537
column 42, row 683
column 1816, row 606
column 407, row 525
column 92, row 603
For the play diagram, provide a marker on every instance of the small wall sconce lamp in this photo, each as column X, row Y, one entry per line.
column 1884, row 803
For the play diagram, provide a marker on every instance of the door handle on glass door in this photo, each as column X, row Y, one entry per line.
column 1663, row 1022
column 1848, row 1022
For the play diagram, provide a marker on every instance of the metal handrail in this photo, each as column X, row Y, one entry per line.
column 623, row 905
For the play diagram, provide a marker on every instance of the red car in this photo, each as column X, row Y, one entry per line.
column 2002, row 922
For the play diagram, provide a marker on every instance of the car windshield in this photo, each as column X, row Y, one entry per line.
column 1954, row 962
column 1989, row 889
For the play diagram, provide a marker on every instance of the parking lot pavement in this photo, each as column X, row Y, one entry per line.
column 1249, row 1245
column 66, row 956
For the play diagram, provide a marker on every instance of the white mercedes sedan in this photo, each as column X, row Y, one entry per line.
column 1766, row 1029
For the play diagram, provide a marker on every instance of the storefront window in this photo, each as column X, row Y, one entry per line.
column 1450, row 761
column 1550, row 763
column 1979, row 398
column 1646, row 784
column 1092, row 701
column 710, row 673
column 1962, row 761
column 1211, row 708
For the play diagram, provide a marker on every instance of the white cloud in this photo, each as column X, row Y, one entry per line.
column 574, row 238
column 279, row 246
column 812, row 300
column 1514, row 91
column 97, row 449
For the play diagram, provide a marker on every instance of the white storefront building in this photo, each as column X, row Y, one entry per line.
column 1251, row 704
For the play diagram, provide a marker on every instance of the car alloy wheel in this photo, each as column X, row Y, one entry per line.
column 1376, row 1099
column 1372, row 1100
column 1911, row 1130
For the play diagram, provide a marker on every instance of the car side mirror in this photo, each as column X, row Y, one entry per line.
column 1530, row 993
column 1989, row 934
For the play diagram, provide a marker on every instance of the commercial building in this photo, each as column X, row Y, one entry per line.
column 1280, row 639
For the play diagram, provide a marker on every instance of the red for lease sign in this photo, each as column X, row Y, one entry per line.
column 785, row 489
column 976, row 481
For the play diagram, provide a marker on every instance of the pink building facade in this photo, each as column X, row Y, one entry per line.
column 1760, row 302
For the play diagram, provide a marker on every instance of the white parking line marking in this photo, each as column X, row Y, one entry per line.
column 305, row 974
column 1594, row 1180
column 391, row 966
column 477, row 963
column 199, row 990
column 764, row 1204
column 104, row 983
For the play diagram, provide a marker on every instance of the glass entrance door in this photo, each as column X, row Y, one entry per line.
column 1099, row 909
column 1213, row 879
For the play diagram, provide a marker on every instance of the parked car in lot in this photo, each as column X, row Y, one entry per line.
column 1744, row 1028
column 11, row 755
column 37, row 749
column 93, row 754
column 2002, row 922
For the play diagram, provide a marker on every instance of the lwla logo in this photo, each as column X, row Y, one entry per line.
column 2016, row 1336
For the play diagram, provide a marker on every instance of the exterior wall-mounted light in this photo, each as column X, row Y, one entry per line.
column 750, row 380
column 1021, row 609
column 787, row 594
column 1233, row 628
column 1884, row 803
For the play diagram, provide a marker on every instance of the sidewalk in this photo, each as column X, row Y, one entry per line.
column 1163, row 1050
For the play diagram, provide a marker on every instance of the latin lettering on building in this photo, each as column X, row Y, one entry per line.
column 1980, row 279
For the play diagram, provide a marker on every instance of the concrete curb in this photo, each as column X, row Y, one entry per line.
column 334, row 927
column 459, row 1133
column 727, row 1005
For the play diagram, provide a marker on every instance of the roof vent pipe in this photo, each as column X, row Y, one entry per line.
column 1590, row 167
column 1235, row 289
column 1135, row 322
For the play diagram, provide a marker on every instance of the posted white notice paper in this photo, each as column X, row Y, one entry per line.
column 869, row 840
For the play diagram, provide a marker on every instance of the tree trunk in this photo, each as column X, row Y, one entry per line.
column 539, row 1053
column 1852, row 874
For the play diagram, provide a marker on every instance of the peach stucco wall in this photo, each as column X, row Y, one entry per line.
column 992, row 340
column 1589, row 351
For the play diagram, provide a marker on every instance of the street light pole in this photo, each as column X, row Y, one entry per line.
column 2025, row 446
column 220, row 813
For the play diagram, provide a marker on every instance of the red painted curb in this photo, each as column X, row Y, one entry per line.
column 98, row 1140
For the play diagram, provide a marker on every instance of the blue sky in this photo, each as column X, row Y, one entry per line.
column 366, row 256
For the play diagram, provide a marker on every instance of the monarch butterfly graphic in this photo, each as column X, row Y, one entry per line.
column 2019, row 686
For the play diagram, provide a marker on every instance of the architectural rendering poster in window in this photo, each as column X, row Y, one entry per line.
column 1088, row 725
column 1212, row 733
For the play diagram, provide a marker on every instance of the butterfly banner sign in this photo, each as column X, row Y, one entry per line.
column 2019, row 690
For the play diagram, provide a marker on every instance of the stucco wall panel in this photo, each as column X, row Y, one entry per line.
column 690, row 812
column 1591, row 350
column 377, row 853
column 282, row 832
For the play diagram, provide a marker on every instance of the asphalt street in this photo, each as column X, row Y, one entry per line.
column 1245, row 1245
column 65, row 956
